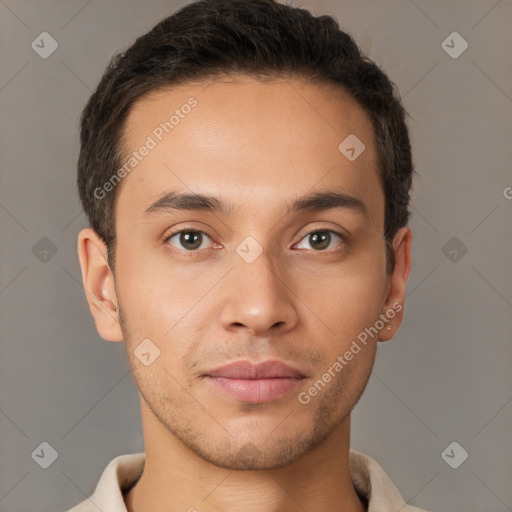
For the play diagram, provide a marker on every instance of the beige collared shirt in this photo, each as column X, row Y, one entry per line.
column 370, row 482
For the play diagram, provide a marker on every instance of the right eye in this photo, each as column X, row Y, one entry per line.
column 190, row 239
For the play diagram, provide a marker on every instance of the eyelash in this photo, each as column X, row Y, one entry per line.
column 171, row 235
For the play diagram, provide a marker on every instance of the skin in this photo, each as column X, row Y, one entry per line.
column 257, row 145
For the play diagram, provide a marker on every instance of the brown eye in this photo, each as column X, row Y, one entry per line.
column 189, row 240
column 321, row 239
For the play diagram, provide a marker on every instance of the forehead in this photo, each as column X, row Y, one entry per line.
column 261, row 142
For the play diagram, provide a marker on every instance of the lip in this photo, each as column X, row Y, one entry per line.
column 246, row 370
column 255, row 383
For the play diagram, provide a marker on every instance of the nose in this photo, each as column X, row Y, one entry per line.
column 258, row 297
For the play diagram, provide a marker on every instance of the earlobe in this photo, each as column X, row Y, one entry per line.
column 98, row 284
column 394, row 301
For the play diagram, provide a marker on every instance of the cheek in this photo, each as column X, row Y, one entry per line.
column 344, row 300
column 345, row 306
column 153, row 298
column 355, row 278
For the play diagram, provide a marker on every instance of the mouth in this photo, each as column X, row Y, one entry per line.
column 255, row 383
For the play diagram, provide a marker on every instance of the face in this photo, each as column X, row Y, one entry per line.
column 256, row 275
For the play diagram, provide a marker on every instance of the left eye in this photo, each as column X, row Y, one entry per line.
column 321, row 239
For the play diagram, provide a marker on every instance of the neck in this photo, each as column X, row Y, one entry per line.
column 177, row 479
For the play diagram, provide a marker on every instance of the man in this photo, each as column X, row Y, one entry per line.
column 246, row 172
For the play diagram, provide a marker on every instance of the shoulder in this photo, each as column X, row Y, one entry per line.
column 118, row 476
column 372, row 483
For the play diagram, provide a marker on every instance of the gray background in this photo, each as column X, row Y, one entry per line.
column 445, row 377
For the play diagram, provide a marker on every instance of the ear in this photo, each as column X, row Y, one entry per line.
column 393, row 308
column 98, row 282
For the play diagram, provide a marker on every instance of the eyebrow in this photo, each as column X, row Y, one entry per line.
column 314, row 202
